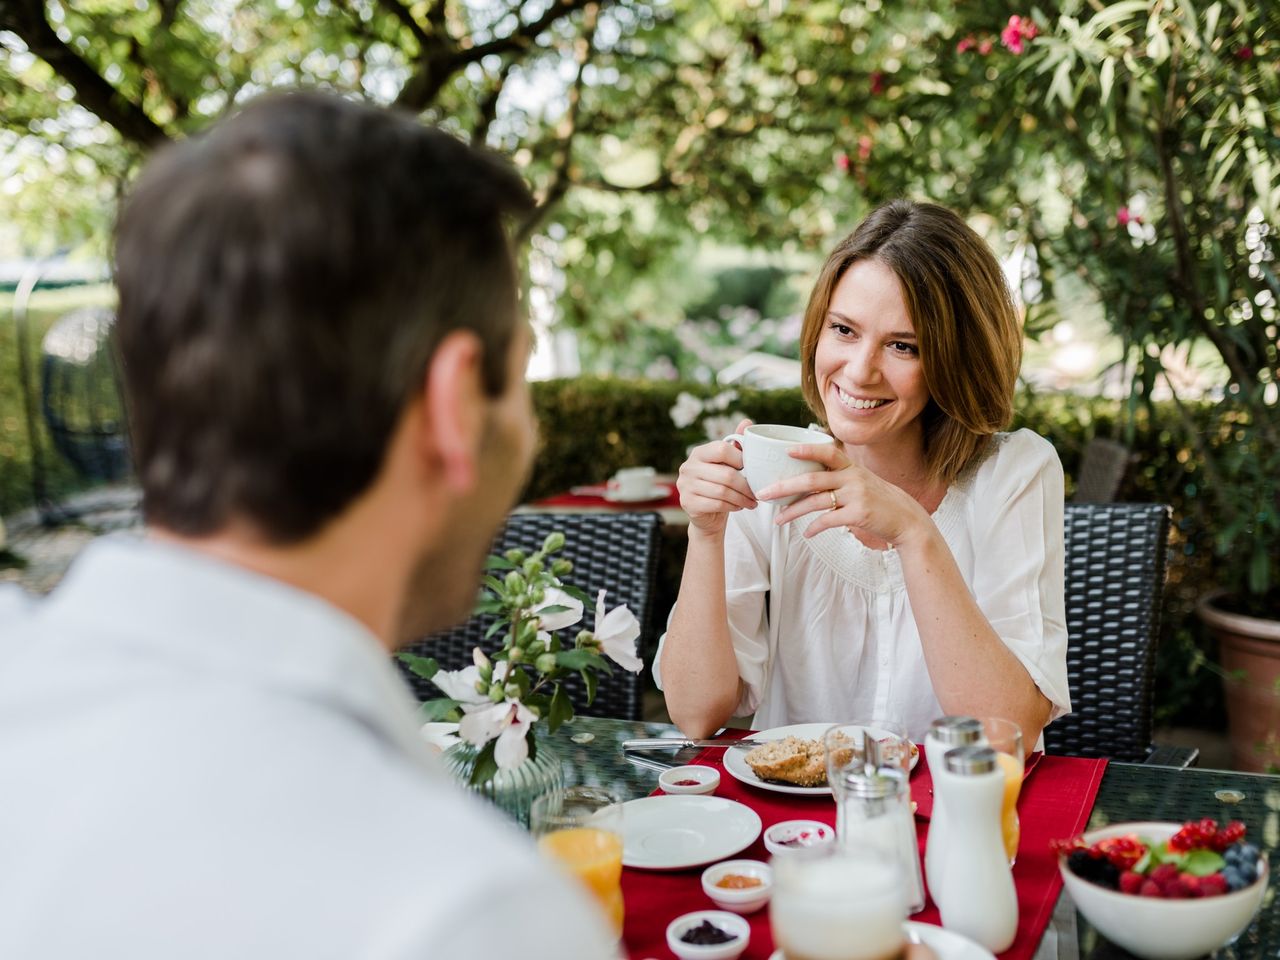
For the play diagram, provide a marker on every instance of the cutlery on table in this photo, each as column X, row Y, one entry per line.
column 664, row 743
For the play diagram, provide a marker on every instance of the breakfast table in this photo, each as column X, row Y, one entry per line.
column 591, row 751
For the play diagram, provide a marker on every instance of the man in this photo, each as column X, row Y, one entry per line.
column 204, row 748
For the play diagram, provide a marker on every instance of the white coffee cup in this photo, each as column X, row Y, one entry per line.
column 765, row 459
column 632, row 483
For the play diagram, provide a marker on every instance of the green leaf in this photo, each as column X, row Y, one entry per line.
column 494, row 627
column 589, row 680
column 561, row 709
column 424, row 667
column 499, row 563
column 1144, row 863
column 1202, row 863
column 577, row 594
column 489, row 606
column 1106, row 77
column 577, row 659
column 496, row 585
column 553, row 608
column 1114, row 13
column 486, row 766
column 441, row 708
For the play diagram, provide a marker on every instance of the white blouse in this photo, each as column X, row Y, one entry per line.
column 822, row 627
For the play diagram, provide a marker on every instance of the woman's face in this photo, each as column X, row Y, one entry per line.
column 867, row 362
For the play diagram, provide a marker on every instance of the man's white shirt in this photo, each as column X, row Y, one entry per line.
column 197, row 761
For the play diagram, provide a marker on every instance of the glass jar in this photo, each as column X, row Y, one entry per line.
column 511, row 791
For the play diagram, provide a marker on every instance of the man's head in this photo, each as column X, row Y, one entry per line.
column 285, row 280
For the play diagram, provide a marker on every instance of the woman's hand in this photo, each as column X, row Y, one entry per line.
column 847, row 495
column 712, row 486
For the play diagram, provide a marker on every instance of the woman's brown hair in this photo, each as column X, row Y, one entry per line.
column 967, row 327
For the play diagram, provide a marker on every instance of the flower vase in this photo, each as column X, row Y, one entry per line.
column 511, row 791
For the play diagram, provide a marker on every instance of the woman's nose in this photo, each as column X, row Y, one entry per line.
column 861, row 365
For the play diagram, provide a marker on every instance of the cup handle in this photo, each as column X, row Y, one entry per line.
column 737, row 438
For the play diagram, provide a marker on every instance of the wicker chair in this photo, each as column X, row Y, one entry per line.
column 1102, row 471
column 617, row 552
column 1115, row 568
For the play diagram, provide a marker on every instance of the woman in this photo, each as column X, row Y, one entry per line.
column 919, row 574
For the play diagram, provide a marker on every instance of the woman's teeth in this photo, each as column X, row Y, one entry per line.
column 857, row 404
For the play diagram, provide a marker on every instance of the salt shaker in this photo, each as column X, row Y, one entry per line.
column 945, row 733
column 978, row 897
column 873, row 811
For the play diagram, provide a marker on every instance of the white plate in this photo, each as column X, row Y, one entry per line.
column 947, row 944
column 659, row 491
column 670, row 833
column 736, row 766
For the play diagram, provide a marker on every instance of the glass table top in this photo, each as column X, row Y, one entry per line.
column 591, row 750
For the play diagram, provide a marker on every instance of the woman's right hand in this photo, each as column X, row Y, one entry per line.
column 712, row 486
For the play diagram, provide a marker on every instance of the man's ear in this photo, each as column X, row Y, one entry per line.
column 454, row 408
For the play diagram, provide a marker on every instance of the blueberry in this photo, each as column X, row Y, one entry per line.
column 1232, row 854
column 1248, row 852
column 1080, row 863
column 1249, row 872
column 1233, row 877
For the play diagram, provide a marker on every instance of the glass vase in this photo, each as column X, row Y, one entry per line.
column 511, row 791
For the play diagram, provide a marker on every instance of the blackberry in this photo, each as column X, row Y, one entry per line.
column 1094, row 869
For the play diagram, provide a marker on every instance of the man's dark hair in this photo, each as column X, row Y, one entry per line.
column 284, row 280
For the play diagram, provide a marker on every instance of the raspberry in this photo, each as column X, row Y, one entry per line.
column 1213, row 885
column 1164, row 873
column 1176, row 889
column 1192, row 883
column 1064, row 847
column 1131, row 882
column 1229, row 835
column 1150, row 888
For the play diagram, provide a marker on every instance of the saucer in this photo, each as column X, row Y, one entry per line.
column 659, row 491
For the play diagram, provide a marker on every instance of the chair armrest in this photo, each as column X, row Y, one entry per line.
column 1171, row 756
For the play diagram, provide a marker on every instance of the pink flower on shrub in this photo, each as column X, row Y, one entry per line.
column 1016, row 31
column 842, row 161
column 965, row 45
column 877, row 83
column 864, row 147
column 1244, row 53
column 985, row 45
column 1123, row 216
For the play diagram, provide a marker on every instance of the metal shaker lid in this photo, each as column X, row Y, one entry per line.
column 970, row 761
column 874, row 784
column 957, row 731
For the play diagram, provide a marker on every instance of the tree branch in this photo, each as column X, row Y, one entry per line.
column 26, row 19
column 489, row 106
column 521, row 38
column 584, row 47
column 401, row 13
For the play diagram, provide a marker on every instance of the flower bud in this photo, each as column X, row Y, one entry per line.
column 516, row 655
column 479, row 659
column 553, row 542
column 486, row 674
column 513, row 691
column 514, row 581
column 561, row 567
column 545, row 663
column 536, row 596
column 482, row 686
column 584, row 638
column 514, row 556
column 533, row 567
column 496, row 693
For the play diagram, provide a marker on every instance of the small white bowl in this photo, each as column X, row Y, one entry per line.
column 746, row 899
column 708, row 778
column 728, row 922
column 1162, row 929
column 791, row 836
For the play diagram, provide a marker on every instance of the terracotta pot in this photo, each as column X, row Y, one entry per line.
column 1250, row 654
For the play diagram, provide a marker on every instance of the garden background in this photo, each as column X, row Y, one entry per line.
column 693, row 162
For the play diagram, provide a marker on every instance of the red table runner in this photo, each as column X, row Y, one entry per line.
column 672, row 499
column 1056, row 800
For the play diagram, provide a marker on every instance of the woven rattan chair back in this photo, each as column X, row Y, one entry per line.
column 617, row 552
column 1115, row 579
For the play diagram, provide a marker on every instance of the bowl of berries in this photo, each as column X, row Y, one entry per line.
column 1165, row 891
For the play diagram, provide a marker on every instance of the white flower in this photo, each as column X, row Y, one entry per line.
column 721, row 401
column 724, row 425
column 555, row 597
column 687, row 409
column 460, row 685
column 509, row 721
column 616, row 632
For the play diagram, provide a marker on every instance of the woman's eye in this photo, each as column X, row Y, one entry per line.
column 907, row 349
column 841, row 329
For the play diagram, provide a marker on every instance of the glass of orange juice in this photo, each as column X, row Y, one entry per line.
column 1005, row 738
column 581, row 829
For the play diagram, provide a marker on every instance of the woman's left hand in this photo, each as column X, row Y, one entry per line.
column 846, row 495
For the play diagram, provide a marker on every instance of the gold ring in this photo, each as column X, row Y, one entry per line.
column 834, row 504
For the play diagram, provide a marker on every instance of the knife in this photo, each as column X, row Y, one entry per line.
column 662, row 743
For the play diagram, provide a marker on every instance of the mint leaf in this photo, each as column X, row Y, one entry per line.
column 1202, row 863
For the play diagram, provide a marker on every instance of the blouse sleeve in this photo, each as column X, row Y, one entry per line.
column 746, row 574
column 1019, row 577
